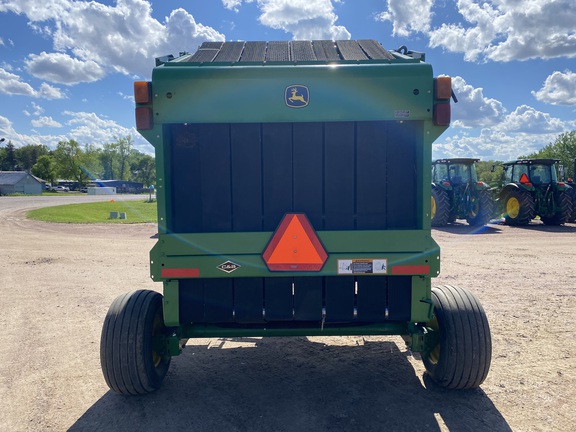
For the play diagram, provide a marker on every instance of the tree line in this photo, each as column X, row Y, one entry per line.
column 563, row 149
column 117, row 160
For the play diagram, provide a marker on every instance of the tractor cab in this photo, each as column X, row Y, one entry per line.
column 457, row 172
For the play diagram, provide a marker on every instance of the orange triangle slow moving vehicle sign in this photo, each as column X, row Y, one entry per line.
column 295, row 246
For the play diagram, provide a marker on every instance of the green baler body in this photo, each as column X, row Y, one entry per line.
column 235, row 154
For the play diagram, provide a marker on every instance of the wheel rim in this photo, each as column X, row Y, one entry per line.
column 433, row 208
column 513, row 207
column 434, row 355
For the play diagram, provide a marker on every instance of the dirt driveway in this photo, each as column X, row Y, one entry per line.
column 57, row 282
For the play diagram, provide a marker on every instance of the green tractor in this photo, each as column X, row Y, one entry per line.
column 457, row 193
column 531, row 188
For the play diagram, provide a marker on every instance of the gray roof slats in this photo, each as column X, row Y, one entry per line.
column 374, row 50
column 230, row 52
column 294, row 51
column 204, row 55
column 325, row 50
column 302, row 51
column 278, row 51
column 254, row 52
column 350, row 50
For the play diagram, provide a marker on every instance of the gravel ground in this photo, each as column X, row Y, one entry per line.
column 57, row 282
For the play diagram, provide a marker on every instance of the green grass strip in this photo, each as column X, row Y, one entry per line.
column 98, row 212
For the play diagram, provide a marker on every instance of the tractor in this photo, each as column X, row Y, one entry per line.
column 531, row 188
column 293, row 189
column 457, row 193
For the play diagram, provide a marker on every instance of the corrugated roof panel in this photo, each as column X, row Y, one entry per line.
column 302, row 51
column 278, row 51
column 350, row 50
column 230, row 52
column 254, row 52
column 374, row 50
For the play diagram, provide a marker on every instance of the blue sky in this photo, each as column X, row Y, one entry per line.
column 67, row 67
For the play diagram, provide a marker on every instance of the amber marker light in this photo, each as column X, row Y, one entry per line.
column 142, row 92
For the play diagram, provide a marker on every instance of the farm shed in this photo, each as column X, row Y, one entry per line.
column 12, row 182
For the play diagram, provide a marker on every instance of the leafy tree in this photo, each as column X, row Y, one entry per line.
column 490, row 172
column 564, row 148
column 8, row 159
column 90, row 162
column 45, row 168
column 124, row 152
column 70, row 162
column 28, row 155
column 109, row 159
column 143, row 168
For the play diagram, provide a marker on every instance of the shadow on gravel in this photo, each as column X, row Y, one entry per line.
column 463, row 228
column 293, row 384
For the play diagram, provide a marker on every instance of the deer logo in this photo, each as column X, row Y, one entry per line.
column 296, row 96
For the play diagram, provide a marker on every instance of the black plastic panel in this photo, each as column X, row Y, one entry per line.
column 246, row 177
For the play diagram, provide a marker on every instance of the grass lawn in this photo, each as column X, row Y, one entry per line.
column 98, row 212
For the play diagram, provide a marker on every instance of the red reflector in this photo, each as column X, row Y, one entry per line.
column 443, row 88
column 442, row 114
column 561, row 184
column 446, row 183
column 142, row 92
column 180, row 273
column 295, row 246
column 410, row 269
column 144, row 119
column 524, row 179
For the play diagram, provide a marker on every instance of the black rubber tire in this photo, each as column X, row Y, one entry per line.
column 442, row 215
column 564, row 214
column 572, row 194
column 526, row 211
column 127, row 357
column 462, row 358
column 484, row 210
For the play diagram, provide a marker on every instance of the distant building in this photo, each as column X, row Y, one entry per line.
column 12, row 182
column 122, row 186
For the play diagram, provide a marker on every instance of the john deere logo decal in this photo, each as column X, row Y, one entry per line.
column 297, row 96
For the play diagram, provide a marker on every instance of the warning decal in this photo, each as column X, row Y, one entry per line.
column 363, row 266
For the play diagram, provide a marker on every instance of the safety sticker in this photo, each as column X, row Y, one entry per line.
column 401, row 113
column 362, row 266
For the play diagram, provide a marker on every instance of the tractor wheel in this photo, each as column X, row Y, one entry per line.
column 572, row 194
column 462, row 357
column 518, row 207
column 440, row 210
column 564, row 213
column 130, row 363
column 482, row 209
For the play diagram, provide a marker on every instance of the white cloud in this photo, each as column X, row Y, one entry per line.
column 530, row 121
column 12, row 84
column 123, row 38
column 45, row 121
column 90, row 128
column 473, row 109
column 496, row 30
column 408, row 16
column 491, row 143
column 304, row 19
column 558, row 89
column 63, row 69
